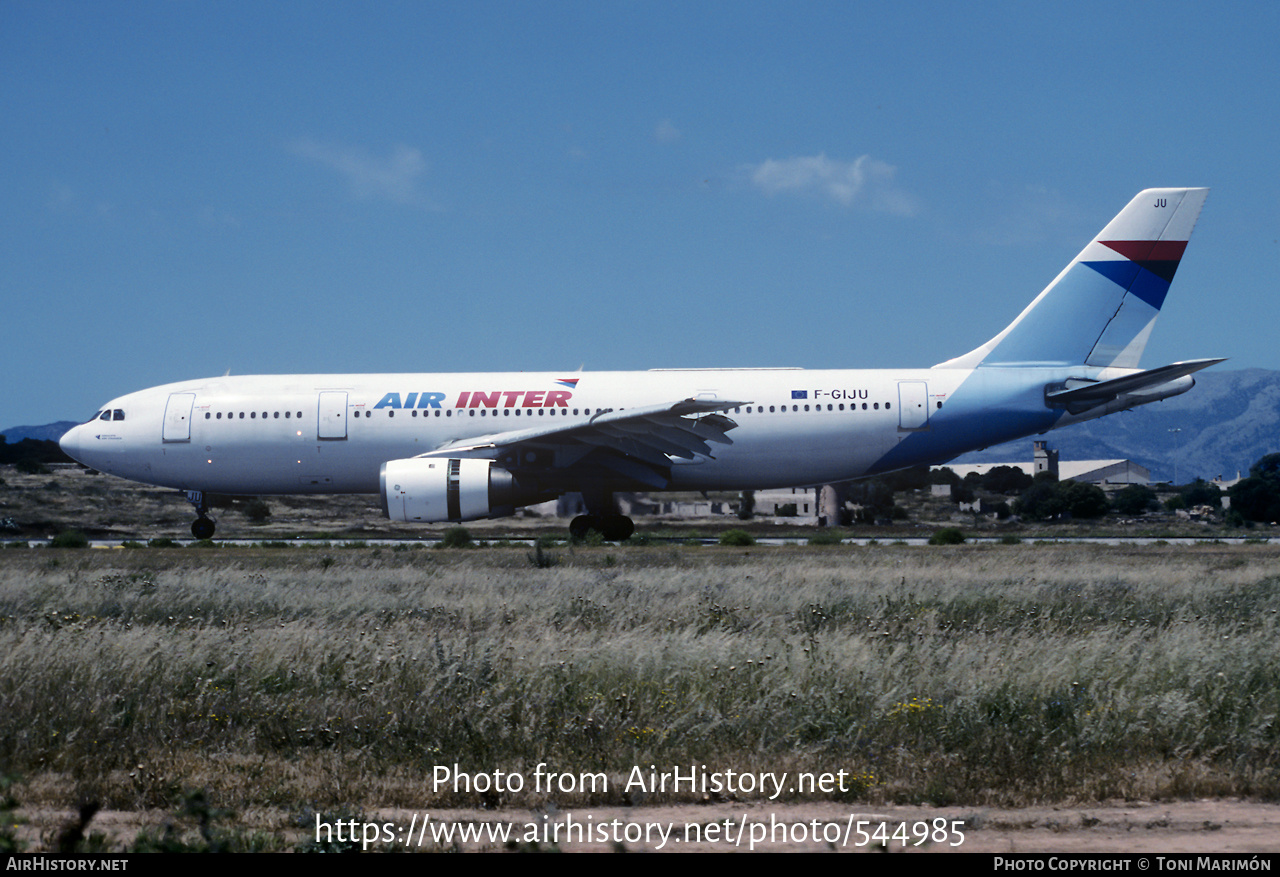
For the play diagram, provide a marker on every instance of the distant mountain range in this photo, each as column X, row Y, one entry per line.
column 50, row 432
column 1223, row 425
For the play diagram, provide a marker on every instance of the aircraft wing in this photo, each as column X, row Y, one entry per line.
column 638, row 443
column 1088, row 395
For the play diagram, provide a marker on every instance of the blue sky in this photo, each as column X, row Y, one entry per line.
column 190, row 188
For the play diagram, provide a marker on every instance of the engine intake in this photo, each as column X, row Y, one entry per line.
column 432, row 490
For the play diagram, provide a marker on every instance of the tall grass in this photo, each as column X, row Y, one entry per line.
column 992, row 674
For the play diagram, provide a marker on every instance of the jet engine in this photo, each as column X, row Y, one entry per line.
column 431, row 490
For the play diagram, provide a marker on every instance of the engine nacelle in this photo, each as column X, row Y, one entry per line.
column 432, row 490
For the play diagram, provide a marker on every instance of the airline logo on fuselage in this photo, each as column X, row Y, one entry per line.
column 480, row 399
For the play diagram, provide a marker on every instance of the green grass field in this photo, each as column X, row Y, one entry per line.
column 330, row 677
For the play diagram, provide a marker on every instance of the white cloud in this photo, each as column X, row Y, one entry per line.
column 865, row 181
column 393, row 177
column 666, row 132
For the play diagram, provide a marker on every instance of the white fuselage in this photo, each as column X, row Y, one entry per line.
column 331, row 433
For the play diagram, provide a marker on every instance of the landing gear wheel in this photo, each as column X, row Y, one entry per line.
column 612, row 528
column 618, row 528
column 583, row 524
column 202, row 528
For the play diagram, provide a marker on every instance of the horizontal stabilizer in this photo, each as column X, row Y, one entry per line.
column 1089, row 395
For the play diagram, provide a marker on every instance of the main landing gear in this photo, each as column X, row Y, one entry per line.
column 203, row 526
column 602, row 516
column 613, row 528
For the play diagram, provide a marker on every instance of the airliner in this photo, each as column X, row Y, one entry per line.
column 461, row 447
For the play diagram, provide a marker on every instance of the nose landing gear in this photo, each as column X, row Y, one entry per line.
column 203, row 526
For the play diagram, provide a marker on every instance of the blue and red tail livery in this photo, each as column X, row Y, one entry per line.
column 1101, row 308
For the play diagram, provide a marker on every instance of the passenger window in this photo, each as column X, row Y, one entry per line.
column 207, row 415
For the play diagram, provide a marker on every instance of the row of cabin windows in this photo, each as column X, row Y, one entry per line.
column 853, row 406
column 117, row 414
column 253, row 415
column 759, row 409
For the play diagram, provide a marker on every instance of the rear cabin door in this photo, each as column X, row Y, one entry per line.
column 913, row 405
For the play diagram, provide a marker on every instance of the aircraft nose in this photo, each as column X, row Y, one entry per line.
column 70, row 443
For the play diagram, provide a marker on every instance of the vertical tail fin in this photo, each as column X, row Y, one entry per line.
column 1100, row 310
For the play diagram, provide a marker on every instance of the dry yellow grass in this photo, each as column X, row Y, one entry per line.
column 326, row 677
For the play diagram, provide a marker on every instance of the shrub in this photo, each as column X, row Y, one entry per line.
column 1059, row 499
column 69, row 539
column 542, row 559
column 257, row 510
column 456, row 537
column 947, row 536
column 1135, row 499
column 737, row 538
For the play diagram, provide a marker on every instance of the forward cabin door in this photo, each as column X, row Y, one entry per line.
column 177, row 417
column 332, row 425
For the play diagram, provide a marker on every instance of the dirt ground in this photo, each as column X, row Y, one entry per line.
column 1203, row 827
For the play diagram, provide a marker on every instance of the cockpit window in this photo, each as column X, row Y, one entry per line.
column 95, row 416
column 118, row 414
column 106, row 415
